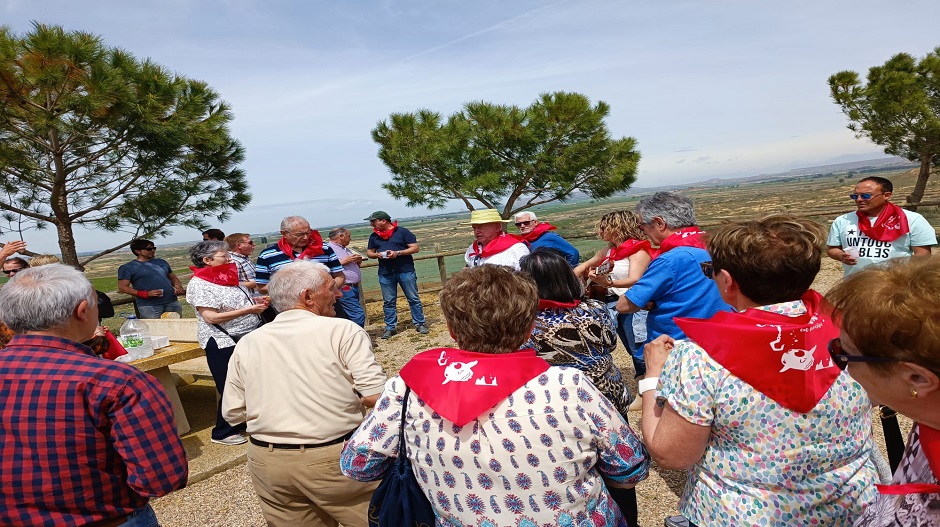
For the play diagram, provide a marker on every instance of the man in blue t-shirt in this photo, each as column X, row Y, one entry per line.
column 393, row 246
column 151, row 280
column 674, row 284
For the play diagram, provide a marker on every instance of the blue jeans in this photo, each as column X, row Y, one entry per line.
column 623, row 323
column 156, row 311
column 142, row 517
column 350, row 303
column 409, row 286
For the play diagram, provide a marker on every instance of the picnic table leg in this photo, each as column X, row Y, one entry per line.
column 169, row 386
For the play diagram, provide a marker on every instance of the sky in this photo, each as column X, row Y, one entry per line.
column 707, row 88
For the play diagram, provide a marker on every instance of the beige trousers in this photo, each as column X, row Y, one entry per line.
column 306, row 487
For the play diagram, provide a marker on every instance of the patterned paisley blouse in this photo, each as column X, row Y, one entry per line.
column 534, row 459
column 765, row 464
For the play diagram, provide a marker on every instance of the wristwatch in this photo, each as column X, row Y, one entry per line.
column 647, row 384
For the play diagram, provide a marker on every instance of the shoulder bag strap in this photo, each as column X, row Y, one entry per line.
column 402, row 449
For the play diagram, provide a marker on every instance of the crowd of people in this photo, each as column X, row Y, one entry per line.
column 759, row 387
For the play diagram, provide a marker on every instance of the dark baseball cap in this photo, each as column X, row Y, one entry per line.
column 379, row 215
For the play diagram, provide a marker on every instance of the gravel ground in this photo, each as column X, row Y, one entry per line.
column 228, row 499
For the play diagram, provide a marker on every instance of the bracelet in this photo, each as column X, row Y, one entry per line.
column 142, row 294
column 610, row 279
column 647, row 384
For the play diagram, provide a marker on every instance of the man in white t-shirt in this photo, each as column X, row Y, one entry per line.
column 490, row 244
column 879, row 230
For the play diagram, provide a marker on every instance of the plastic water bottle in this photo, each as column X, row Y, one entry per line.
column 135, row 337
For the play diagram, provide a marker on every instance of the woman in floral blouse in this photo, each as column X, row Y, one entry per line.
column 497, row 436
column 890, row 344
column 771, row 431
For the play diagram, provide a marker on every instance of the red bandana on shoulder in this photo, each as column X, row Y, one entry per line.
column 784, row 358
column 314, row 248
column 225, row 274
column 930, row 445
column 890, row 224
column 461, row 385
column 627, row 249
column 386, row 234
column 686, row 236
column 496, row 246
column 539, row 230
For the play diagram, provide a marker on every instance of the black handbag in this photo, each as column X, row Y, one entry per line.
column 399, row 501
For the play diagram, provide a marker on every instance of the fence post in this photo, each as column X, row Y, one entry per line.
column 440, row 264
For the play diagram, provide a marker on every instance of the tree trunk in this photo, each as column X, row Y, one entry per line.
column 918, row 193
column 67, row 245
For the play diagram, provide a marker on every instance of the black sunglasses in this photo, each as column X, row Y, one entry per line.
column 841, row 359
column 149, row 249
column 521, row 223
column 708, row 269
column 11, row 271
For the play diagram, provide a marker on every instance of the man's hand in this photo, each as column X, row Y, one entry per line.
column 11, row 248
column 178, row 289
column 154, row 293
column 655, row 354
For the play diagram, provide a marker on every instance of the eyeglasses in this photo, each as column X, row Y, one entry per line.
column 524, row 223
column 708, row 269
column 299, row 234
column 842, row 359
column 151, row 248
column 222, row 256
column 12, row 271
column 249, row 242
column 864, row 195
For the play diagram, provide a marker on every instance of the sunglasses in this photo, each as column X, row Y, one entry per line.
column 149, row 249
column 842, row 359
column 708, row 270
column 524, row 223
column 864, row 195
column 12, row 271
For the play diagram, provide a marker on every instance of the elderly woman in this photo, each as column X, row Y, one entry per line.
column 573, row 332
column 618, row 267
column 498, row 436
column 890, row 344
column 772, row 431
column 225, row 311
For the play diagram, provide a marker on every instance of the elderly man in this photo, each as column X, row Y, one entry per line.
column 490, row 244
column 86, row 441
column 393, row 246
column 303, row 383
column 350, row 260
column 151, row 280
column 538, row 234
column 877, row 230
column 674, row 284
column 240, row 248
column 298, row 242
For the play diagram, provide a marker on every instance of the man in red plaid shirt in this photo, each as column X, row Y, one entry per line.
column 83, row 440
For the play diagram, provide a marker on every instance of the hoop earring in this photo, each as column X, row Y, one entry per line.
column 913, row 394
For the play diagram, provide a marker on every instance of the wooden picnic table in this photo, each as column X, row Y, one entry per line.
column 158, row 365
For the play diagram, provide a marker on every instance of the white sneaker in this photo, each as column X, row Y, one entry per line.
column 236, row 439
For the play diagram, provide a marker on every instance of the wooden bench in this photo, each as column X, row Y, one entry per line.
column 158, row 365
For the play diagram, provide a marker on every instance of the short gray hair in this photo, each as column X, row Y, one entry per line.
column 335, row 233
column 43, row 298
column 290, row 221
column 206, row 249
column 525, row 213
column 289, row 281
column 674, row 209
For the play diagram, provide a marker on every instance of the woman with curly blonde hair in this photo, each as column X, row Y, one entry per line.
column 618, row 267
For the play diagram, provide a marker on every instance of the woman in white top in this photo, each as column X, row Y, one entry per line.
column 619, row 266
column 225, row 311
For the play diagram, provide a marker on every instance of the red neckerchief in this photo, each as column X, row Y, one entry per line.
column 627, row 249
column 115, row 349
column 551, row 304
column 496, row 246
column 890, row 224
column 686, row 236
column 784, row 358
column 930, row 444
column 225, row 274
column 314, row 248
column 386, row 234
column 539, row 230
column 461, row 385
